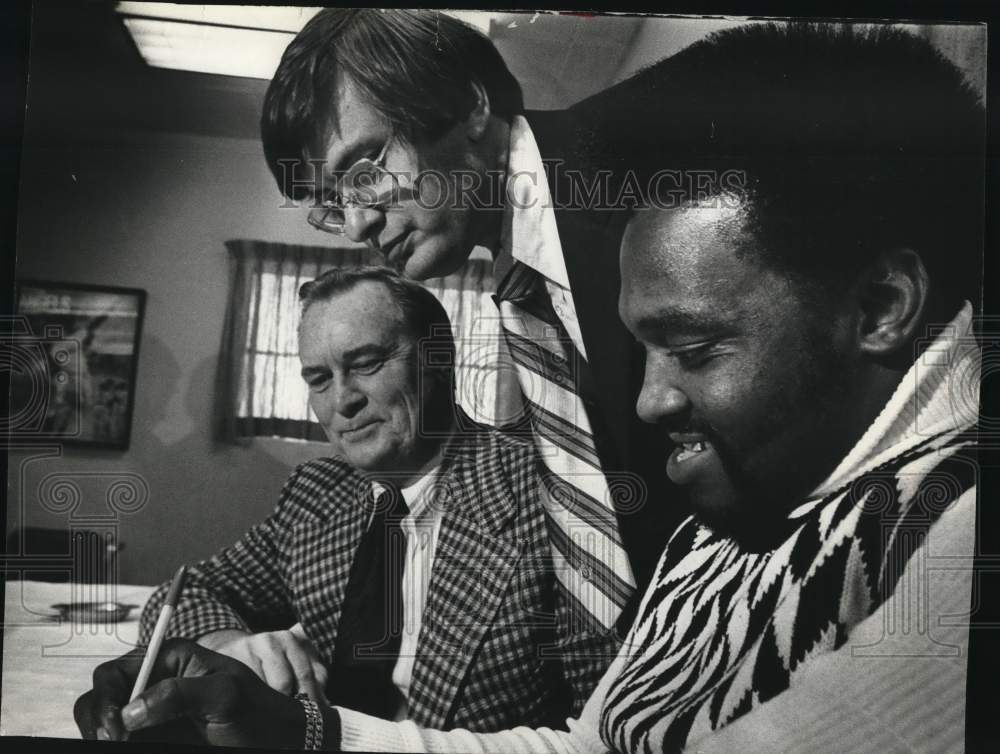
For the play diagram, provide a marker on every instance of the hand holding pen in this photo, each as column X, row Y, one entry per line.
column 185, row 692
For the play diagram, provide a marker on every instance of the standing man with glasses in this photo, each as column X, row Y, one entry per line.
column 406, row 131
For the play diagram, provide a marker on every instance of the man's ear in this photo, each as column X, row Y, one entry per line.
column 893, row 298
column 479, row 118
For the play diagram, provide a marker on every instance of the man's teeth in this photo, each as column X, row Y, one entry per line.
column 689, row 449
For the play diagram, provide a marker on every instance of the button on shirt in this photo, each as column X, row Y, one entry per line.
column 529, row 234
column 421, row 527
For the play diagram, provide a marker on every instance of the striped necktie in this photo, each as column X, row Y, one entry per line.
column 590, row 560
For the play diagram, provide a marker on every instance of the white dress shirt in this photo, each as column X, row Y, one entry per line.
column 529, row 234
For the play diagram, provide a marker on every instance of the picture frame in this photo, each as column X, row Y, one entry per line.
column 77, row 350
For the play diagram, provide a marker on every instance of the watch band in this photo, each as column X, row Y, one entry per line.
column 314, row 723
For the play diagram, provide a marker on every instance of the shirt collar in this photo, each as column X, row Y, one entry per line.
column 415, row 493
column 940, row 392
column 530, row 234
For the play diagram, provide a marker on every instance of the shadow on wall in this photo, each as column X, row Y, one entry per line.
column 174, row 496
column 203, row 495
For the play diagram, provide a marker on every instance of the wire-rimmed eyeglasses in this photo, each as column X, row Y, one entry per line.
column 366, row 184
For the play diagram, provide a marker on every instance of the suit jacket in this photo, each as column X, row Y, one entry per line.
column 497, row 647
column 606, row 133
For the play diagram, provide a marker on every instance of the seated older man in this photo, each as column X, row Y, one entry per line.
column 807, row 315
column 415, row 566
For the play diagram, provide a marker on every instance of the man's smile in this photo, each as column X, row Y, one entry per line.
column 691, row 457
column 358, row 432
column 396, row 251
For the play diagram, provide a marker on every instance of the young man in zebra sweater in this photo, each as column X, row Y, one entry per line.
column 810, row 348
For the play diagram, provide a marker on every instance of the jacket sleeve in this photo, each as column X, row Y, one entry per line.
column 244, row 586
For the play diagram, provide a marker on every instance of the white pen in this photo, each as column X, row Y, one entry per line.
column 166, row 613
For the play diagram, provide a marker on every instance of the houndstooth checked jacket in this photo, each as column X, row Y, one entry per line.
column 497, row 647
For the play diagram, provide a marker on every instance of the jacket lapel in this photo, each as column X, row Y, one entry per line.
column 473, row 566
column 321, row 562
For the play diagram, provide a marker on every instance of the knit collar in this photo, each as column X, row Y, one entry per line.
column 940, row 392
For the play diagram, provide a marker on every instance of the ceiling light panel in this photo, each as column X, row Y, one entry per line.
column 271, row 18
column 232, row 40
column 225, row 50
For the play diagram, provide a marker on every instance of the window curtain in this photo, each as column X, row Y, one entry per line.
column 258, row 388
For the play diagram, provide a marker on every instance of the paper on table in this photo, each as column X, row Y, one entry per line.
column 47, row 664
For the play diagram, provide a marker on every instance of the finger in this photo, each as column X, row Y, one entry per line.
column 182, row 657
column 83, row 714
column 160, row 703
column 309, row 687
column 310, row 673
column 192, row 681
column 320, row 678
column 278, row 669
column 206, row 697
column 242, row 650
column 303, row 661
column 319, row 673
column 113, row 682
column 100, row 709
column 248, row 655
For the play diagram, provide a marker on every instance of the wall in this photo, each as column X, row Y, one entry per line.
column 152, row 211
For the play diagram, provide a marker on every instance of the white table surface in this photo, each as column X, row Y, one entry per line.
column 48, row 663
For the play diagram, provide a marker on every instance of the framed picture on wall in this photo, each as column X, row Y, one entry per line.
column 74, row 356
